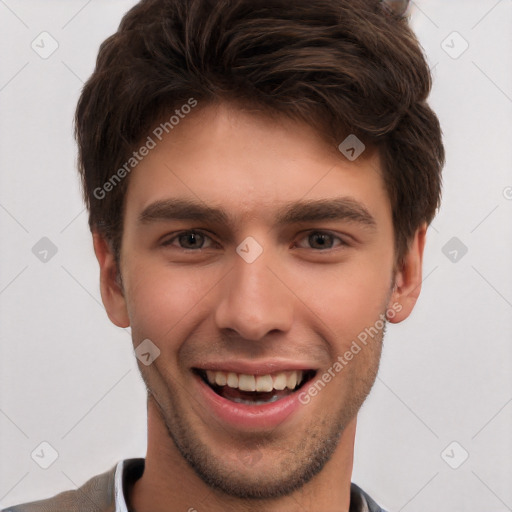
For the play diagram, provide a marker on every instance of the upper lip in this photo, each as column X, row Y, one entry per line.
column 264, row 367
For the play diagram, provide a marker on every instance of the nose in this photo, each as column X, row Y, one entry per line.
column 255, row 299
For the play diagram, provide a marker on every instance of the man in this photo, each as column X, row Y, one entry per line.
column 260, row 176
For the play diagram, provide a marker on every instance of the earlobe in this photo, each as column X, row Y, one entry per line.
column 408, row 279
column 111, row 292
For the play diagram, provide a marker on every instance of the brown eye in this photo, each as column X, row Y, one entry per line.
column 188, row 240
column 322, row 240
column 191, row 240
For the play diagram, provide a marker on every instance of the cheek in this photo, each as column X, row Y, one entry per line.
column 161, row 300
column 348, row 299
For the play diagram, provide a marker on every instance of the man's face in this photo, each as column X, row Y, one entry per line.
column 209, row 300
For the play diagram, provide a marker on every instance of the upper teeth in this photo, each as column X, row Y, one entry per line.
column 244, row 382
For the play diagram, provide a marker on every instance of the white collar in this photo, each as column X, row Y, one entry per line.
column 357, row 494
column 118, row 488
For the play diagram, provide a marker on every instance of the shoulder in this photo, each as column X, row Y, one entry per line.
column 97, row 494
column 360, row 501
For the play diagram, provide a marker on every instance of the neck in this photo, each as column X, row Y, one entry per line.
column 169, row 483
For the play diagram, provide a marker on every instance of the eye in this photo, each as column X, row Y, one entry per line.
column 189, row 240
column 323, row 240
column 197, row 240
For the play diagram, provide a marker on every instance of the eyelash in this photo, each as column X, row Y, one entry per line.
column 169, row 242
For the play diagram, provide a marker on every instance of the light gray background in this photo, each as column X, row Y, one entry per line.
column 68, row 376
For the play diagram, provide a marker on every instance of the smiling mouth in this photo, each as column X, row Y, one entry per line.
column 255, row 389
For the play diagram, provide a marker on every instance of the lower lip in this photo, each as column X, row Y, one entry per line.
column 242, row 416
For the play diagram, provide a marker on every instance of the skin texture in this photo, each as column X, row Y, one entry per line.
column 199, row 301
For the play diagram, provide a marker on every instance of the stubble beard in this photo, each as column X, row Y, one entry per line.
column 294, row 463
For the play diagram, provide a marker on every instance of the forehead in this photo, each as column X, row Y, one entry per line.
column 250, row 165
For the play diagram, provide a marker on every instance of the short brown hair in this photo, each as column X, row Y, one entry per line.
column 342, row 66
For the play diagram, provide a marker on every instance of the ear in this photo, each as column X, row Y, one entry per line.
column 408, row 278
column 111, row 291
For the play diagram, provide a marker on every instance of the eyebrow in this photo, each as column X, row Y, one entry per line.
column 341, row 208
